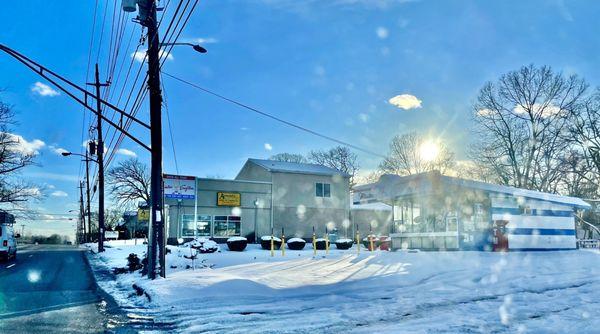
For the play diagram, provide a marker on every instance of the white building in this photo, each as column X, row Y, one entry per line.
column 433, row 211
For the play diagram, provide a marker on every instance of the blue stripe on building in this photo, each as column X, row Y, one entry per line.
column 534, row 212
column 540, row 231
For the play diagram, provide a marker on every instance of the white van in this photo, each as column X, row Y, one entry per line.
column 8, row 242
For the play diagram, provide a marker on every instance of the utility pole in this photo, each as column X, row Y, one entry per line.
column 100, row 153
column 156, row 191
column 87, row 190
column 82, row 213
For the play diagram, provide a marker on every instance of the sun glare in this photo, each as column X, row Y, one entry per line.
column 429, row 150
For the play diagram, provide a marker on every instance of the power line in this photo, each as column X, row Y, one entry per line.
column 280, row 120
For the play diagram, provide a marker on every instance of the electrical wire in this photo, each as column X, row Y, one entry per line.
column 280, row 120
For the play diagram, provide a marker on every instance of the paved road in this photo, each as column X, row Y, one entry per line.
column 50, row 289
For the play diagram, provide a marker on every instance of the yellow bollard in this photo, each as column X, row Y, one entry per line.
column 272, row 244
column 282, row 242
column 314, row 242
column 371, row 242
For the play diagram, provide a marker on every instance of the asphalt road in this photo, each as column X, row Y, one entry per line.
column 50, row 289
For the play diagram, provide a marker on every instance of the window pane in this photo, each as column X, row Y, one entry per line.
column 326, row 190
column 319, row 190
column 187, row 226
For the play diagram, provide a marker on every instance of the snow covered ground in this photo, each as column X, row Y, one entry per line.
column 421, row 292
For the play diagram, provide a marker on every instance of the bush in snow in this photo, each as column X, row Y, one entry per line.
column 367, row 242
column 203, row 245
column 265, row 242
column 133, row 262
column 296, row 244
column 343, row 243
column 237, row 244
column 321, row 243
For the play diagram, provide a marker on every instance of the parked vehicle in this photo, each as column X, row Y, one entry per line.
column 8, row 242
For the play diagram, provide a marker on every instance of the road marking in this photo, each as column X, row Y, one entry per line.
column 12, row 265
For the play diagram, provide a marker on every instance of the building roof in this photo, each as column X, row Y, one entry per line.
column 296, row 167
column 390, row 186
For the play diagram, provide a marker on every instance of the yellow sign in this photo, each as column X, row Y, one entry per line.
column 229, row 199
column 143, row 215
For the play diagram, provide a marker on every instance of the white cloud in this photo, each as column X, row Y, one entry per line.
column 484, row 112
column 35, row 192
column 140, row 55
column 363, row 117
column 126, row 152
column 24, row 146
column 57, row 150
column 43, row 90
column 544, row 110
column 382, row 32
column 268, row 147
column 405, row 101
column 59, row 193
column 204, row 40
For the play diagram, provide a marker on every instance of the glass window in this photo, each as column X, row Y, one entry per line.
column 191, row 229
column 227, row 226
column 319, row 190
column 326, row 190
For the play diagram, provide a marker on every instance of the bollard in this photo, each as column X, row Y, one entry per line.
column 371, row 238
column 326, row 242
column 272, row 244
column 282, row 242
column 314, row 242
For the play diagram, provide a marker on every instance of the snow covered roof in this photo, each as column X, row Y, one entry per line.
column 377, row 206
column 295, row 167
column 390, row 186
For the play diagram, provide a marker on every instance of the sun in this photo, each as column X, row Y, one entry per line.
column 429, row 150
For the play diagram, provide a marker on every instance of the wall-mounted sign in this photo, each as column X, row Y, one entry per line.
column 229, row 199
column 143, row 215
column 179, row 187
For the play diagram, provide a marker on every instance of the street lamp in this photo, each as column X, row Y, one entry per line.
column 66, row 154
column 196, row 47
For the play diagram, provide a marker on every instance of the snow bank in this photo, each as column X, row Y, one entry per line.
column 425, row 292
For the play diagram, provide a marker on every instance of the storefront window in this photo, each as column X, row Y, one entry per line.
column 198, row 229
column 227, row 226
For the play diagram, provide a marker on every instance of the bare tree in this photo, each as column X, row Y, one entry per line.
column 339, row 157
column 129, row 181
column 289, row 157
column 520, row 121
column 13, row 158
column 584, row 162
column 407, row 157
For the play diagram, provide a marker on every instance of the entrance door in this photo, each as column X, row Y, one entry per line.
column 500, row 243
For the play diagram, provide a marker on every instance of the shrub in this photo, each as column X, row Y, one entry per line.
column 321, row 243
column 203, row 245
column 344, row 243
column 265, row 242
column 296, row 244
column 237, row 244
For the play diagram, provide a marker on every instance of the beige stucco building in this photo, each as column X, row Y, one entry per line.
column 264, row 195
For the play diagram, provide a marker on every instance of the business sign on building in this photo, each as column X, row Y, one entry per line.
column 229, row 199
column 143, row 215
column 179, row 187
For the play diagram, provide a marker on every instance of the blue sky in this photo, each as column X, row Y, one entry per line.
column 331, row 66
